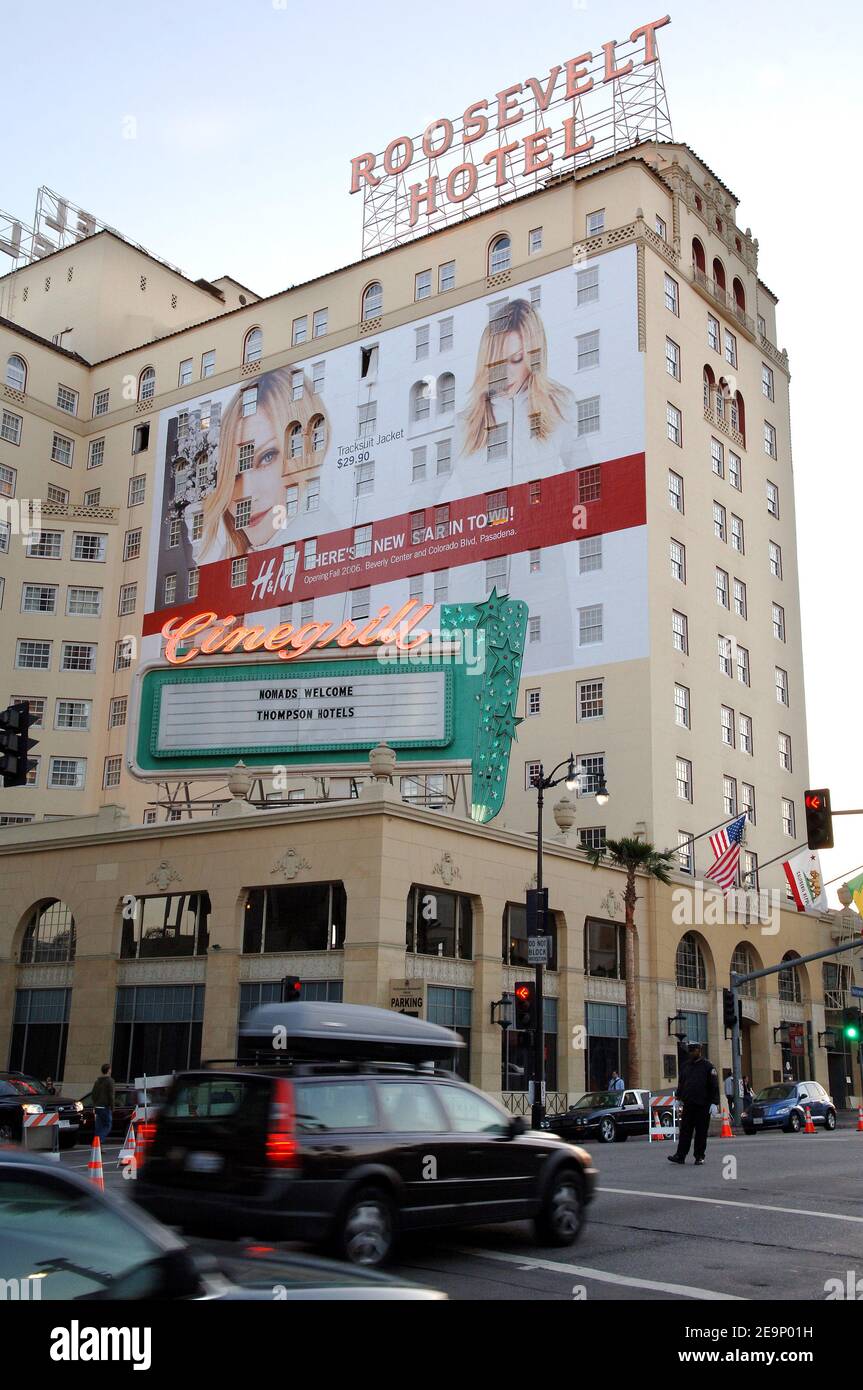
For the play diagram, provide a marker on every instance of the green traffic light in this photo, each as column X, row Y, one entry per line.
column 852, row 1032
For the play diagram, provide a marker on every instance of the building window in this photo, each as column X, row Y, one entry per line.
column 737, row 534
column 534, row 241
column 320, row 323
column 440, row 590
column 772, row 499
column 250, row 400
column 497, row 574
column 67, row 773
column 740, row 598
column 37, row 708
column 719, row 521
column 746, row 739
column 418, row 464
column 690, row 970
column 532, row 702
column 675, row 490
column 534, row 629
column 591, row 837
column 587, row 285
column 93, row 498
column 770, row 440
column 743, row 665
column 49, row 936
column 192, row 583
column 364, row 479
column 534, row 561
column 72, row 713
column 81, row 602
column 497, row 507
column 16, row 373
column 172, row 924
column 660, row 228
column 137, row 489
column 747, row 801
column 591, row 700
column 123, row 653
column 595, row 222
column 373, row 301
column 44, row 545
column 78, row 656
column 680, row 632
column 775, row 553
column 590, row 625
column 685, row 852
column 735, row 476
column 101, row 401
column 170, row 589
column 788, row 817
column 175, row 526
column 39, row 598
column 162, row 1021
column 790, row 989
column 497, row 442
column 717, row 458
column 499, row 255
column 514, row 935
column 588, row 350
column 112, row 769
column 681, row 706
column 141, row 438
column 185, row 373
column 779, row 622
column 674, row 424
column 438, row 923
column 677, row 554
column 672, row 359
column 147, row 384
column 767, row 381
column 451, row 1008
column 722, row 596
column 672, row 298
column 727, row 725
column 446, row 276
column 730, row 348
column 62, row 450
column 239, row 571
column 88, row 547
column 10, row 427
column 589, row 484
column 60, row 495
column 360, row 599
column 367, row 417
column 588, row 416
column 67, row 400
column 253, row 346
column 590, row 554
column 208, row 363
column 132, row 545
column 299, row 330
column 591, row 767
column 683, row 775
column 443, row 459
column 785, row 752
column 724, row 647
column 362, row 541
column 729, row 796
column 422, row 284
column 117, row 712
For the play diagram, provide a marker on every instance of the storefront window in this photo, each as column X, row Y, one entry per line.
column 439, row 924
column 295, row 917
column 607, row 1048
column 605, row 949
column 157, row 1029
column 451, row 1008
column 517, row 1060
column 39, row 1029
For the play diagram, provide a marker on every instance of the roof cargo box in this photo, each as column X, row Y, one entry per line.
column 348, row 1032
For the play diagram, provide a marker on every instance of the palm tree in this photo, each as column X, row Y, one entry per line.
column 635, row 857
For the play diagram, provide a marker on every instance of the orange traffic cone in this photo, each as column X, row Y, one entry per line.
column 726, row 1132
column 809, row 1127
column 860, row 1119
column 94, row 1167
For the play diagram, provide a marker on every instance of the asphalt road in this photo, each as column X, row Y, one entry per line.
column 774, row 1216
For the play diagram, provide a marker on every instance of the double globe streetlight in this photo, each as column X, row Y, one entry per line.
column 573, row 780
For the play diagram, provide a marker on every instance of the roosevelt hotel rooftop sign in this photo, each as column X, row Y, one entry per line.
column 514, row 141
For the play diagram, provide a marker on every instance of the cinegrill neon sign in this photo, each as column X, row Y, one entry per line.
column 226, row 635
column 528, row 130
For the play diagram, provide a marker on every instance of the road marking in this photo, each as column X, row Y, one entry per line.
column 603, row 1276
column 726, row 1202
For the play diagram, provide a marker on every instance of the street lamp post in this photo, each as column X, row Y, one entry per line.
column 572, row 778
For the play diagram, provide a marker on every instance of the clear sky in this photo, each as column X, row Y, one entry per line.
column 245, row 114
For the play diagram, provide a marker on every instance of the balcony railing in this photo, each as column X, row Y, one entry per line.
column 726, row 301
column 77, row 511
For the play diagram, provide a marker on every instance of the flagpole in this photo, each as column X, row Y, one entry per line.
column 701, row 835
column 786, row 854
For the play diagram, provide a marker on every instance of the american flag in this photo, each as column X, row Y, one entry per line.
column 726, row 847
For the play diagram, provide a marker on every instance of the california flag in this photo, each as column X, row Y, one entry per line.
column 806, row 881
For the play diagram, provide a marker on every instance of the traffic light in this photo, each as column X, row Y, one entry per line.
column 851, row 1025
column 728, row 1010
column 291, row 988
column 819, row 819
column 525, row 1005
column 15, row 744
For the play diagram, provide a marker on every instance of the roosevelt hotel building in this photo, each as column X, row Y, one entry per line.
column 664, row 651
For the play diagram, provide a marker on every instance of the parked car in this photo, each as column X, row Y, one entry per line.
column 352, row 1152
column 21, row 1094
column 784, row 1105
column 610, row 1116
column 126, row 1099
column 85, row 1244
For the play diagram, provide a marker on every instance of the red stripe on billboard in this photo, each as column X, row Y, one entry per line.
column 451, row 534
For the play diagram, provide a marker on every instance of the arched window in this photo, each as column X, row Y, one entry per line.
column 723, row 398
column 739, row 295
column 698, row 259
column 790, row 988
column 499, row 254
column 295, row 917
column 738, row 415
column 445, row 393
column 253, row 346
column 317, row 433
column 295, row 440
column 709, row 387
column 147, row 384
column 698, row 203
column 742, row 963
column 16, row 373
column 373, row 300
column 718, row 273
column 691, row 972
column 420, row 400
column 49, row 934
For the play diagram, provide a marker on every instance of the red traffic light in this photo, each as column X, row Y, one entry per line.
column 522, row 992
column 819, row 818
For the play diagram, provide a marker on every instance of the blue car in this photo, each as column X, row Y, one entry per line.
column 784, row 1106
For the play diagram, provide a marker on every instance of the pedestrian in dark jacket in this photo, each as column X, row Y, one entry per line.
column 697, row 1089
column 103, row 1102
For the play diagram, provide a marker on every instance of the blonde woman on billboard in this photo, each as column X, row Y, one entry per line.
column 512, row 387
column 290, row 439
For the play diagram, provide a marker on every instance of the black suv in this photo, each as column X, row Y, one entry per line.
column 21, row 1094
column 350, row 1153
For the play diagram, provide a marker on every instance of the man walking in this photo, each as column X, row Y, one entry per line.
column 698, row 1090
column 103, row 1102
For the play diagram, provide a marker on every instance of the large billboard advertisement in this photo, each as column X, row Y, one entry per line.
column 494, row 444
